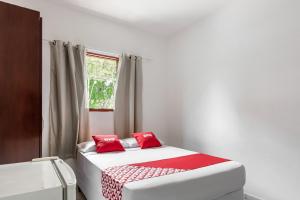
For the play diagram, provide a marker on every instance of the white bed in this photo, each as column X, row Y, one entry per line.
column 223, row 181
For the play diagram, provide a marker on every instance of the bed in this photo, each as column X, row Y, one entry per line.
column 223, row 181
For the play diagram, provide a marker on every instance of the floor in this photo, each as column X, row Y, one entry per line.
column 79, row 195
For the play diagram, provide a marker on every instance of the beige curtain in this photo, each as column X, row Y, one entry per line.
column 69, row 122
column 128, row 96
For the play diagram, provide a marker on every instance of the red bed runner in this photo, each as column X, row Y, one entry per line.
column 114, row 178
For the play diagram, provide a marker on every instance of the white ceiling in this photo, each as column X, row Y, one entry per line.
column 162, row 17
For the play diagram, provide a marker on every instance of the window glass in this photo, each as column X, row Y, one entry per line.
column 102, row 75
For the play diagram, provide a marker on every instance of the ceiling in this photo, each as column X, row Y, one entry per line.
column 163, row 17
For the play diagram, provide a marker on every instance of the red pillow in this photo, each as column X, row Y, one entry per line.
column 146, row 140
column 107, row 143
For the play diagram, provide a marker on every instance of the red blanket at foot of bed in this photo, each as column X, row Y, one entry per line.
column 114, row 178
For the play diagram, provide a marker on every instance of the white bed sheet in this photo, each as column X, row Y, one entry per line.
column 216, row 182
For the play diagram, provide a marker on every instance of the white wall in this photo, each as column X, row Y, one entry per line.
column 101, row 122
column 234, row 91
column 62, row 23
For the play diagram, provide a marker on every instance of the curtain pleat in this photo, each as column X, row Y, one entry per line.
column 128, row 96
column 68, row 110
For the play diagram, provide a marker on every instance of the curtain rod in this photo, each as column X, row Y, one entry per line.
column 102, row 52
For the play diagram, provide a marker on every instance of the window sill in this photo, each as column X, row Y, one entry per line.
column 101, row 110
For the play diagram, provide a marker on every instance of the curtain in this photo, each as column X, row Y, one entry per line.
column 69, row 122
column 128, row 96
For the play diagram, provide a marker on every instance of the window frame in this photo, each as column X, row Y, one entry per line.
column 109, row 57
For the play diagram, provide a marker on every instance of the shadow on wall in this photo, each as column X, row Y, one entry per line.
column 175, row 122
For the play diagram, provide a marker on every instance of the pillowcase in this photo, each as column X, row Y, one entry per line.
column 86, row 147
column 129, row 143
column 107, row 143
column 90, row 146
column 132, row 143
column 146, row 140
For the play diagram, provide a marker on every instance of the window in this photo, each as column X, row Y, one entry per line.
column 102, row 76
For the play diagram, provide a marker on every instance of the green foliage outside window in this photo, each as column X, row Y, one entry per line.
column 102, row 75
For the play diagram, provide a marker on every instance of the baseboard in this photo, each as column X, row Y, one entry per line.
column 251, row 197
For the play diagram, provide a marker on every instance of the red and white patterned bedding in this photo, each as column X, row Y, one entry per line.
column 212, row 182
column 114, row 178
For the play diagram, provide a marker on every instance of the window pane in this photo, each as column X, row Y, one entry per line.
column 102, row 74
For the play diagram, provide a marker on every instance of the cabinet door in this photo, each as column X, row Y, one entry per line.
column 20, row 84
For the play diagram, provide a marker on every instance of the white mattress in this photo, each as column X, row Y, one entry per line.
column 208, row 183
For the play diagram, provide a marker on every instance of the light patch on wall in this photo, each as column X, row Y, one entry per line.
column 217, row 112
